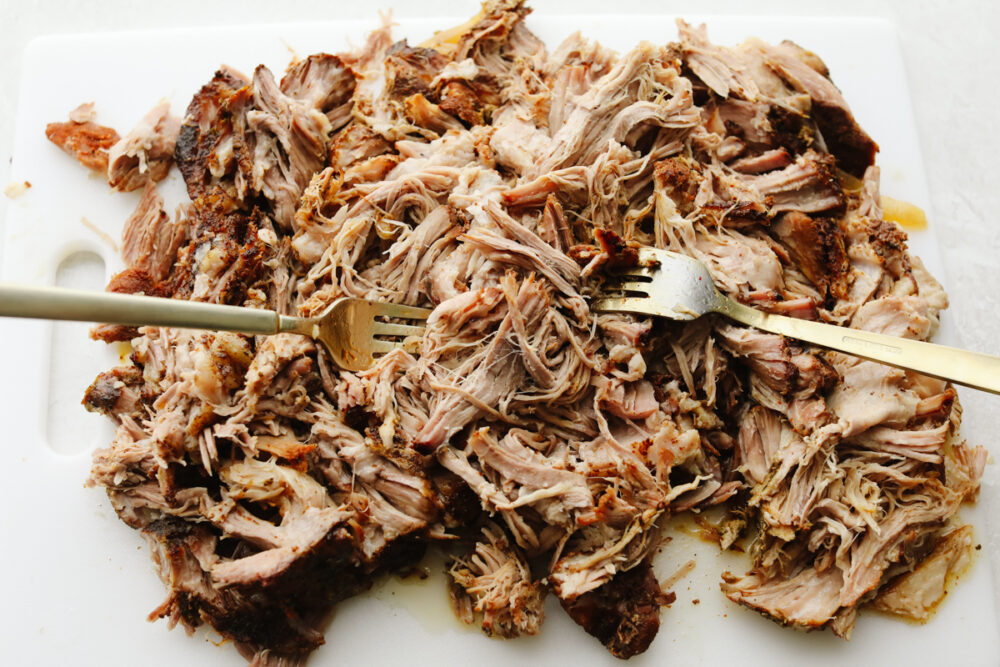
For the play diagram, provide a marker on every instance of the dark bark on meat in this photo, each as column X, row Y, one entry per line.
column 817, row 245
column 854, row 149
column 279, row 614
column 679, row 181
column 410, row 70
column 116, row 392
column 623, row 614
column 204, row 150
column 235, row 254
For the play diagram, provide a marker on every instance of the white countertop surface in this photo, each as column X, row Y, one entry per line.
column 950, row 51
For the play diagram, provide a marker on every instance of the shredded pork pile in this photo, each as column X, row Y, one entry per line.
column 541, row 445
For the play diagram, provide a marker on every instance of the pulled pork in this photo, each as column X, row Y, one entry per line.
column 542, row 445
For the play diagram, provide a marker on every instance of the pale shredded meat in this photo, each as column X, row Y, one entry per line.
column 540, row 445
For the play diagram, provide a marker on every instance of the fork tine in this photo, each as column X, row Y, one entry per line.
column 646, row 271
column 627, row 286
column 384, row 346
column 405, row 312
column 626, row 304
column 392, row 329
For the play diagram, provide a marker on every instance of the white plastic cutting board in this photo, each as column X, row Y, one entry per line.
column 77, row 584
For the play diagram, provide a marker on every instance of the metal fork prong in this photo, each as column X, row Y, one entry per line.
column 647, row 271
column 384, row 346
column 403, row 312
column 627, row 286
column 626, row 304
column 393, row 329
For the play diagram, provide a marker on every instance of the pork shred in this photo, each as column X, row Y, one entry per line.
column 539, row 445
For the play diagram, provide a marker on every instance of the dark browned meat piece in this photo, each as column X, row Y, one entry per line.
column 116, row 392
column 410, row 70
column 817, row 246
column 679, row 181
column 281, row 612
column 854, row 149
column 623, row 614
column 224, row 244
column 205, row 151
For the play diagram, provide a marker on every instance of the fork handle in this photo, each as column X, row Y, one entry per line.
column 57, row 303
column 972, row 369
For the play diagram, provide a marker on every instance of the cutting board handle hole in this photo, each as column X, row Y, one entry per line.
column 69, row 429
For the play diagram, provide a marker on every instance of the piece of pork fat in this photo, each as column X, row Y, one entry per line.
column 777, row 158
column 146, row 152
column 493, row 582
column 323, row 82
column 917, row 593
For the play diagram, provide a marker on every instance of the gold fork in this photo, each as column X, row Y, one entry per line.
column 354, row 331
column 667, row 284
